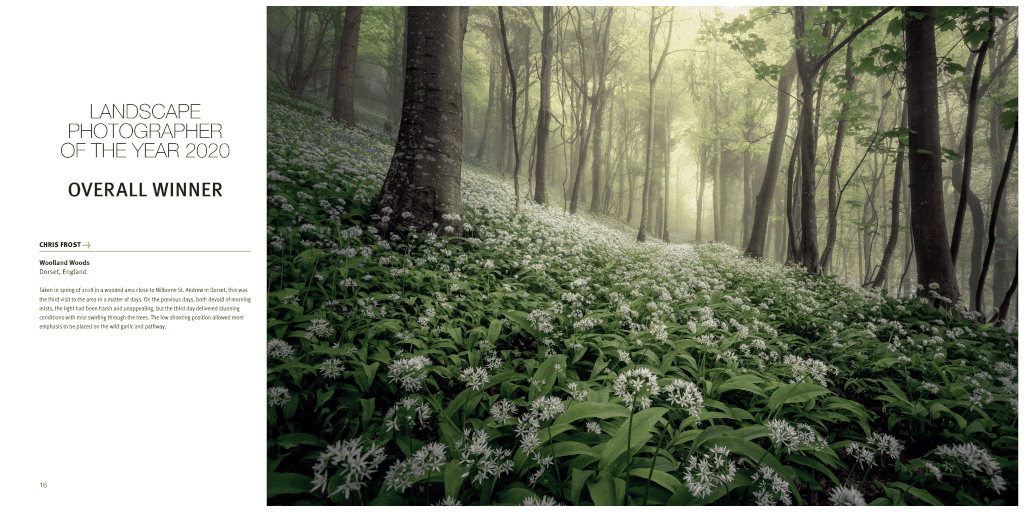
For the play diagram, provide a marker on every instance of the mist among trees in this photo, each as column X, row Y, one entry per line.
column 842, row 180
column 698, row 124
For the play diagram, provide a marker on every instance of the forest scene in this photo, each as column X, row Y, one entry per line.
column 668, row 255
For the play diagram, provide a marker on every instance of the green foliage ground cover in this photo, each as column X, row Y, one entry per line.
column 545, row 358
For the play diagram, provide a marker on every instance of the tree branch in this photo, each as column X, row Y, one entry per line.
column 849, row 38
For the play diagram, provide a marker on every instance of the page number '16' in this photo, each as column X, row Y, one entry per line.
column 42, row 484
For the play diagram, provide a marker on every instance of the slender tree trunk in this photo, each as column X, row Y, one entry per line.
column 771, row 174
column 652, row 79
column 833, row 172
column 992, row 223
column 599, row 105
column 296, row 81
column 793, row 254
column 718, row 192
column 704, row 151
column 747, row 194
column 890, row 245
column 1004, row 307
column 512, row 80
column 426, row 170
column 503, row 115
column 668, row 155
column 481, row 151
column 934, row 260
column 972, row 121
column 780, row 228
column 581, row 162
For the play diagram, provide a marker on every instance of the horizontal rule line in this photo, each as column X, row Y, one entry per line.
column 144, row 251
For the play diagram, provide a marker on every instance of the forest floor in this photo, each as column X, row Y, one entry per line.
column 549, row 358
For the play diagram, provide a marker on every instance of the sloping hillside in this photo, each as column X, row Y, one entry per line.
column 550, row 358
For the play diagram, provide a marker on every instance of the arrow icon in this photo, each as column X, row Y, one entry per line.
column 87, row 245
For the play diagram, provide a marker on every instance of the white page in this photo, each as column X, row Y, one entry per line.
column 134, row 419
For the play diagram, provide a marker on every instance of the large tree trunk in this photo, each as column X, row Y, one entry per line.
column 544, row 116
column 343, row 109
column 396, row 75
column 426, row 170
column 808, row 211
column 934, row 261
column 771, row 174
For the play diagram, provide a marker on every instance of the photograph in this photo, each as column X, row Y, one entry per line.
column 641, row 255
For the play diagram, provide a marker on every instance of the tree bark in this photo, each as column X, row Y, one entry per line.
column 894, row 230
column 599, row 105
column 426, row 170
column 668, row 156
column 833, row 172
column 934, row 260
column 771, row 174
column 343, row 109
column 512, row 80
column 652, row 80
column 544, row 116
column 704, row 152
column 808, row 211
column 481, row 151
column 992, row 223
column 972, row 121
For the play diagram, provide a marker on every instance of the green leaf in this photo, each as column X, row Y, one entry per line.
column 937, row 409
column 295, row 439
column 578, row 480
column 659, row 477
column 710, row 433
column 494, row 331
column 579, row 410
column 795, row 393
column 809, row 462
column 367, row 406
column 746, row 382
column 290, row 407
column 1008, row 119
column 895, row 390
column 607, row 491
column 920, row 494
column 613, row 458
column 287, row 483
column 547, row 375
column 519, row 318
column 323, row 396
column 453, row 478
